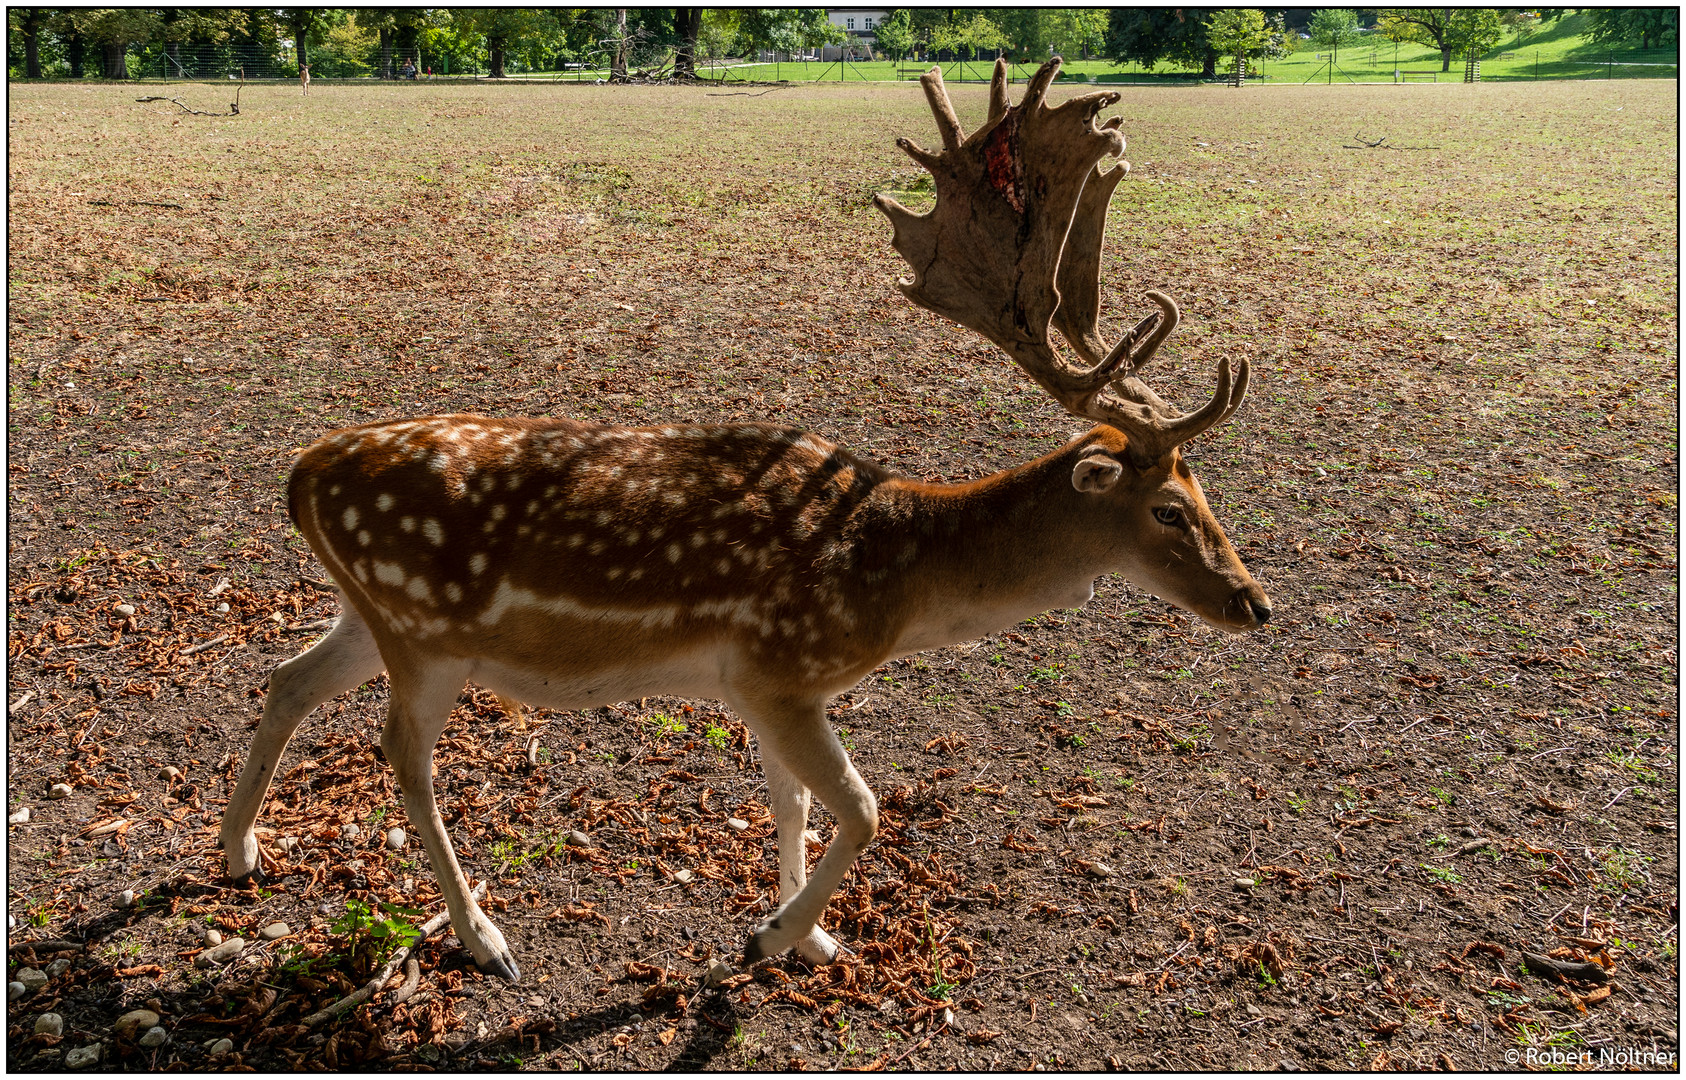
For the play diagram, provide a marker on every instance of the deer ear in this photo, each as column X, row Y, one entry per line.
column 1096, row 474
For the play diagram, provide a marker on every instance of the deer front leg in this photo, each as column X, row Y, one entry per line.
column 796, row 740
column 790, row 799
column 422, row 697
column 347, row 657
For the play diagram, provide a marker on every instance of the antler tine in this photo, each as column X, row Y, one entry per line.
column 943, row 109
column 1155, row 429
column 1158, row 330
column 998, row 100
column 1036, row 89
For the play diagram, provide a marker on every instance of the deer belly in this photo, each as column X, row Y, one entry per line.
column 694, row 673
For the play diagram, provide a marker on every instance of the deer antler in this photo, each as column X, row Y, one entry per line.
column 1013, row 248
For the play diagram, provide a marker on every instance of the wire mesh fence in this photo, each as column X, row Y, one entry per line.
column 186, row 61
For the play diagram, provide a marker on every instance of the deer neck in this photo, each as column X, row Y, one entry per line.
column 995, row 551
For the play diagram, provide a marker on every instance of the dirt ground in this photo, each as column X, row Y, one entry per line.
column 1427, row 818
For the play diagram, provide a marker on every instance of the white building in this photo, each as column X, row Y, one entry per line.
column 861, row 25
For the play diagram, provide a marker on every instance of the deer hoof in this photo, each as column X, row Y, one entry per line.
column 817, row 948
column 243, row 862
column 752, row 953
column 503, row 967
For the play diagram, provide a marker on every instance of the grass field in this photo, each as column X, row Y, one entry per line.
column 1333, row 843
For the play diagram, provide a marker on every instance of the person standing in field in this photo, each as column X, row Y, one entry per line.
column 304, row 79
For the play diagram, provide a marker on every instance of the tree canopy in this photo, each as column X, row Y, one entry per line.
column 1454, row 31
column 1148, row 35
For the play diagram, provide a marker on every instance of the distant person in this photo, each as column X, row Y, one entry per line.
column 409, row 70
column 430, row 71
column 304, row 79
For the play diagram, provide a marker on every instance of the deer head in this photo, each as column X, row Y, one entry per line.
column 1012, row 250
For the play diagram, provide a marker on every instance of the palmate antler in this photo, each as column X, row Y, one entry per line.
column 1013, row 247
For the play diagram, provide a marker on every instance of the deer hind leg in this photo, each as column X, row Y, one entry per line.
column 805, row 748
column 790, row 800
column 423, row 694
column 346, row 658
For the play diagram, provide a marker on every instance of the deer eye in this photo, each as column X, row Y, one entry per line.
column 1167, row 515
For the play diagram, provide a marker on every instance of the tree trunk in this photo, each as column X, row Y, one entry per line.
column 1209, row 67
column 31, row 25
column 494, row 57
column 386, row 71
column 1445, row 58
column 300, row 32
column 688, row 22
column 114, row 60
column 74, row 50
column 617, row 67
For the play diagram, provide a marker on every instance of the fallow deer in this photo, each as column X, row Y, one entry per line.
column 572, row 565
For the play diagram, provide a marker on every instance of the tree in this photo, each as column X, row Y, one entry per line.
column 1148, row 35
column 346, row 46
column 28, row 24
column 1237, row 32
column 687, row 23
column 306, row 25
column 1079, row 30
column 895, row 34
column 1650, row 27
column 1332, row 28
column 1034, row 34
column 966, row 37
column 112, row 30
column 504, row 29
column 1454, row 31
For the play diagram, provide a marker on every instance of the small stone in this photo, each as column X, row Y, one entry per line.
column 1245, row 883
column 737, row 823
column 155, row 1036
column 277, row 617
column 948, row 1017
column 213, row 937
column 796, row 1049
column 222, row 609
column 49, row 1024
column 133, row 1021
column 288, row 843
column 126, row 898
column 59, row 791
column 57, row 968
column 683, row 876
column 575, row 838
column 124, row 611
column 32, row 979
column 1100, row 870
column 719, row 972
column 274, row 931
column 15, row 990
column 82, row 1057
column 395, row 839
column 1254, row 1010
column 169, row 773
column 20, row 816
column 221, row 954
column 222, row 1046
column 350, row 832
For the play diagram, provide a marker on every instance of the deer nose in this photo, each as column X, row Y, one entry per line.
column 1254, row 600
